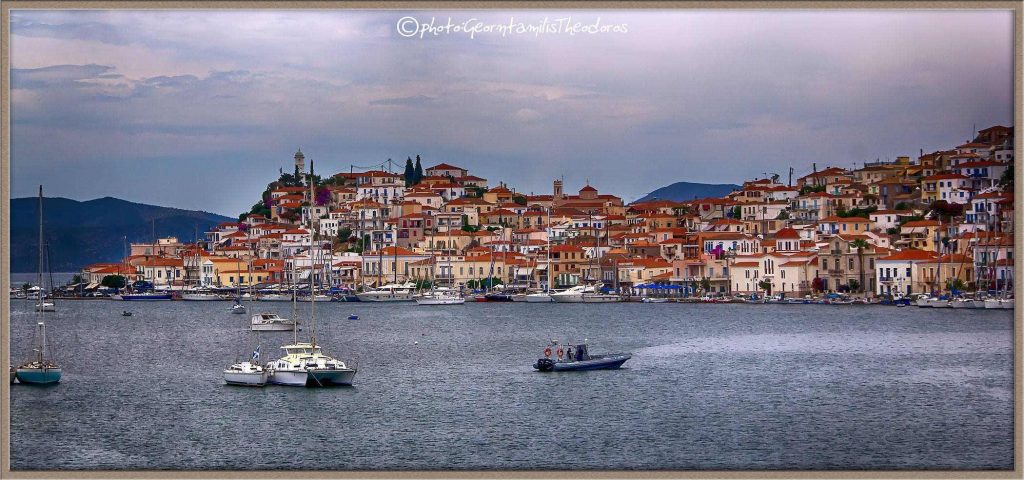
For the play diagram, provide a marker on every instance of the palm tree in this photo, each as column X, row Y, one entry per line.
column 860, row 244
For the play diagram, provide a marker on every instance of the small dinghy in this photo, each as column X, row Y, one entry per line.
column 577, row 357
column 126, row 313
column 353, row 317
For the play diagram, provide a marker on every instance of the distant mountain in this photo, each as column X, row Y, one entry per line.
column 80, row 233
column 681, row 191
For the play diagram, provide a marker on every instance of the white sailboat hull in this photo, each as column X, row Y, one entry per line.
column 441, row 301
column 539, row 298
column 246, row 379
column 46, row 307
column 385, row 297
column 201, row 297
column 996, row 303
column 936, row 303
column 273, row 327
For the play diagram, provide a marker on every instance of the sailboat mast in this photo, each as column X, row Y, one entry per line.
column 549, row 248
column 40, row 276
column 312, row 233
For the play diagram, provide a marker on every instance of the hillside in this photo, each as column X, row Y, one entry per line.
column 80, row 233
column 681, row 191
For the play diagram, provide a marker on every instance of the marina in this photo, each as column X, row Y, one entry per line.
column 837, row 387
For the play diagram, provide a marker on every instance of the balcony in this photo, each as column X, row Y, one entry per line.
column 835, row 272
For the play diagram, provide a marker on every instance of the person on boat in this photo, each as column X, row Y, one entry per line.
column 568, row 354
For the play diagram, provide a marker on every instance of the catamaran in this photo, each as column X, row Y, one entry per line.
column 305, row 364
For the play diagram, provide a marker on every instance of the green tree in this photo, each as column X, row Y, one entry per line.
column 806, row 189
column 114, row 281
column 25, row 286
column 77, row 278
column 766, row 286
column 1006, row 180
column 344, row 234
column 705, row 284
column 855, row 285
column 860, row 244
column 893, row 230
column 901, row 206
column 783, row 215
column 410, row 172
column 519, row 199
column 475, row 191
column 418, row 171
column 956, row 284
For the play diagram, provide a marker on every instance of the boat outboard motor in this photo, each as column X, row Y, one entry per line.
column 544, row 364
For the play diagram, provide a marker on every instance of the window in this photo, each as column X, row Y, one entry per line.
column 908, row 271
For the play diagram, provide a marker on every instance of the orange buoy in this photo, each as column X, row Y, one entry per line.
column 560, row 352
column 547, row 352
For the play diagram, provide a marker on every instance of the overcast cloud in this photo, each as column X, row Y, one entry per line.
column 199, row 109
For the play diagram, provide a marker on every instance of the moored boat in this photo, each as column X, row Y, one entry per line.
column 246, row 374
column 441, row 296
column 999, row 303
column 305, row 365
column 541, row 297
column 390, row 293
column 572, row 295
column 142, row 296
column 41, row 370
column 270, row 322
column 201, row 296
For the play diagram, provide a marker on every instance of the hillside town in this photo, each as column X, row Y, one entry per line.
column 938, row 223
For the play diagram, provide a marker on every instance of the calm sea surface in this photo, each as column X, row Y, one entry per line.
column 709, row 387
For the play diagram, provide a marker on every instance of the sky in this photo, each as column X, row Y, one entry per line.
column 200, row 109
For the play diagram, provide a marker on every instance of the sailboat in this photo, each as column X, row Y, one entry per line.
column 304, row 363
column 248, row 373
column 40, row 371
column 238, row 307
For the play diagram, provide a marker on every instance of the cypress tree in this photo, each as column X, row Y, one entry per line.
column 418, row 177
column 410, row 172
